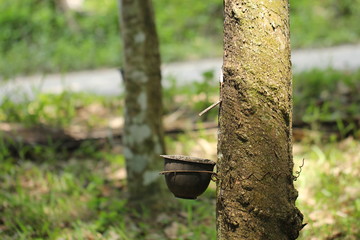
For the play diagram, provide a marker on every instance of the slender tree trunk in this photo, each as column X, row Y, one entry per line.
column 255, row 193
column 143, row 132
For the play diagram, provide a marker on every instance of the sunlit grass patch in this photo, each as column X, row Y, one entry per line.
column 60, row 110
column 36, row 201
column 44, row 200
column 329, row 190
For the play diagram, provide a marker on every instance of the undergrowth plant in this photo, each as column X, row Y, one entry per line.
column 58, row 110
column 41, row 36
column 328, row 100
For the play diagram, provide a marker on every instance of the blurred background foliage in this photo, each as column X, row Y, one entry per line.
column 51, row 191
column 43, row 36
column 327, row 100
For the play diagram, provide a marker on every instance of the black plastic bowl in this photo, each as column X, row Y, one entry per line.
column 187, row 177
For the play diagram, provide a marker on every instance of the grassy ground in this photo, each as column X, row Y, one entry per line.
column 328, row 190
column 47, row 192
column 82, row 196
column 37, row 36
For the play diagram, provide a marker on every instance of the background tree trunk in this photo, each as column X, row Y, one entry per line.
column 143, row 131
column 256, row 195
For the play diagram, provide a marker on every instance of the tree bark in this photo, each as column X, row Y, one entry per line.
column 143, row 131
column 255, row 192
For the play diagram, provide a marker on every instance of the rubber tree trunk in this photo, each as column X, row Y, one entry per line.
column 255, row 192
column 143, row 133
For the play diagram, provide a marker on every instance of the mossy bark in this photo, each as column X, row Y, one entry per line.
column 143, row 132
column 255, row 192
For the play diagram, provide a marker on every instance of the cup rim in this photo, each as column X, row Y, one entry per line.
column 184, row 158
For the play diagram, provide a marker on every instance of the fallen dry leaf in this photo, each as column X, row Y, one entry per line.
column 172, row 230
column 119, row 174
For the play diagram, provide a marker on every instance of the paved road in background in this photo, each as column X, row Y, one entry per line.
column 109, row 81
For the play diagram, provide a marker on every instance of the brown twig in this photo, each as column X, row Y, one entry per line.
column 209, row 108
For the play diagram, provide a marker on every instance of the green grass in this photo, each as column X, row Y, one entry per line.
column 328, row 189
column 85, row 197
column 37, row 36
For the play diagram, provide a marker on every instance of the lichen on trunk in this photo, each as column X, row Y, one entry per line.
column 143, row 132
column 255, row 192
